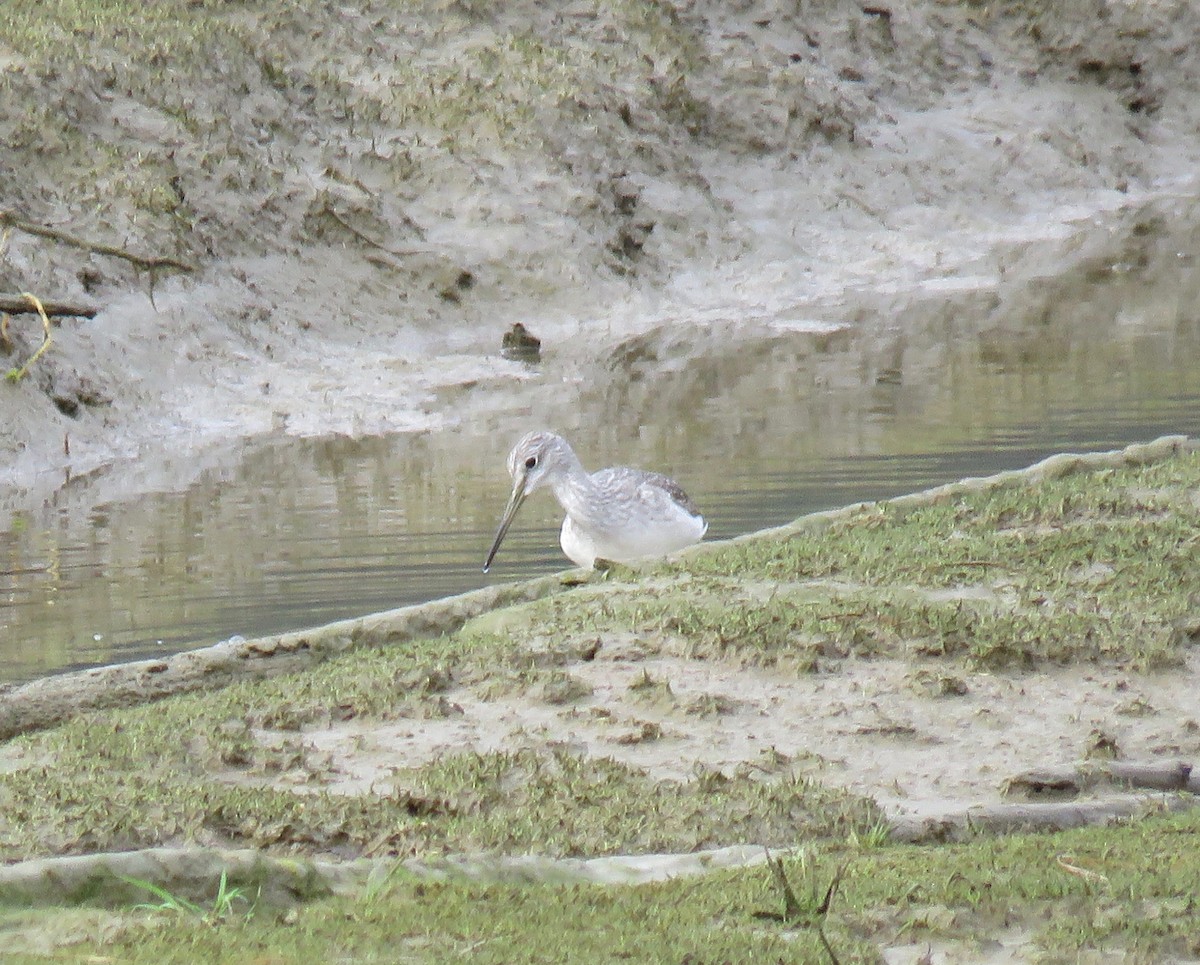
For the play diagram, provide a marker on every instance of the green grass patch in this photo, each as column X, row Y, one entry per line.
column 227, row 902
column 1143, row 522
column 1129, row 889
column 192, row 769
column 1094, row 567
column 427, row 79
column 215, row 128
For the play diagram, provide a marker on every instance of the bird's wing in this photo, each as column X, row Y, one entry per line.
column 652, row 487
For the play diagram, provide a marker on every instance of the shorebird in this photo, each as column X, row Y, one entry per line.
column 616, row 514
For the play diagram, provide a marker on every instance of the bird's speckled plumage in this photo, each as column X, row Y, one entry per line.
column 617, row 514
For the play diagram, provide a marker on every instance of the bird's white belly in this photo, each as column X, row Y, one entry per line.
column 584, row 546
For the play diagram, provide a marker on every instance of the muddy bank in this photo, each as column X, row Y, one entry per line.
column 997, row 655
column 744, row 662
column 371, row 197
column 190, row 872
column 55, row 699
column 281, row 533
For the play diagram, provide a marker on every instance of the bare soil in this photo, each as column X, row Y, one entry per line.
column 875, row 727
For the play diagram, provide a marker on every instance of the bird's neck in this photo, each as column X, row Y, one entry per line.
column 575, row 492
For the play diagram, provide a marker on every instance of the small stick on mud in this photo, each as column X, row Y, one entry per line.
column 828, row 948
column 20, row 304
column 960, row 825
column 791, row 907
column 1071, row 781
column 1067, row 863
column 9, row 219
column 367, row 240
column 794, row 912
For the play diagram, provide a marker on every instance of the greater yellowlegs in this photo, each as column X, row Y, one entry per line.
column 616, row 514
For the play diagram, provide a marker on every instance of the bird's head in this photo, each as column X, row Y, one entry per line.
column 533, row 461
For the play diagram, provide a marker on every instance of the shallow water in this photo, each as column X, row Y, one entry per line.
column 802, row 415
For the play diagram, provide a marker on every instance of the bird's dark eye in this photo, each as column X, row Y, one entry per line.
column 531, row 462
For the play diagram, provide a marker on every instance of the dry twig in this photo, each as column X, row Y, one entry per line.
column 20, row 304
column 9, row 219
column 1066, row 862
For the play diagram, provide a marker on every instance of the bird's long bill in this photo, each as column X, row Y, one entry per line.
column 510, row 511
